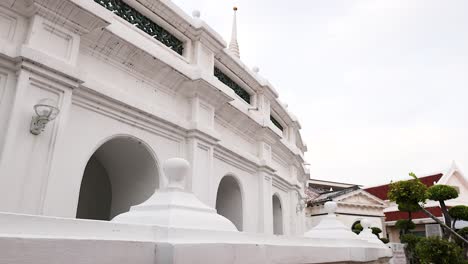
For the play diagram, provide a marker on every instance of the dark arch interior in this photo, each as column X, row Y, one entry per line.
column 120, row 174
column 277, row 216
column 229, row 201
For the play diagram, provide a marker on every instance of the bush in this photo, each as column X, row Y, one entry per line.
column 405, row 224
column 459, row 212
column 436, row 250
column 441, row 193
column 411, row 241
column 384, row 240
column 357, row 227
column 376, row 231
column 462, row 232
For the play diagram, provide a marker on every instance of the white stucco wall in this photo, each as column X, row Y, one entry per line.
column 110, row 80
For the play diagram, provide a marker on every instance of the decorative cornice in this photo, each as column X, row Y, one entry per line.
column 223, row 153
column 193, row 29
column 206, row 91
column 73, row 15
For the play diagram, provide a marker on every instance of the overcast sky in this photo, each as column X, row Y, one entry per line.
column 379, row 86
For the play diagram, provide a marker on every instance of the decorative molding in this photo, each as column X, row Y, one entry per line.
column 361, row 192
column 276, row 123
column 241, row 92
column 48, row 73
column 3, row 82
column 80, row 21
column 152, row 71
column 203, row 136
column 59, row 90
column 8, row 24
column 224, row 154
column 101, row 104
column 281, row 183
column 132, row 16
column 53, row 30
column 218, row 119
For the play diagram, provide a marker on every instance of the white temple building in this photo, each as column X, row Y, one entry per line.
column 95, row 96
column 353, row 204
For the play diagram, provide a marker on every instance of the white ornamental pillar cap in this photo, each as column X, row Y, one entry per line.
column 330, row 207
column 196, row 13
column 176, row 171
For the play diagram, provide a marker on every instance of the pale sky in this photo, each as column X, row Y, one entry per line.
column 379, row 86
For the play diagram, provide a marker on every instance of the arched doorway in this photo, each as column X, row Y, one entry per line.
column 229, row 201
column 120, row 173
column 277, row 216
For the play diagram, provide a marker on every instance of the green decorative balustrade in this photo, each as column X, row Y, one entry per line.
column 134, row 17
column 231, row 84
column 276, row 123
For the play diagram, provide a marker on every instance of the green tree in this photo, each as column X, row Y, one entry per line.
column 411, row 195
column 463, row 233
column 405, row 225
column 407, row 194
column 442, row 193
column 459, row 212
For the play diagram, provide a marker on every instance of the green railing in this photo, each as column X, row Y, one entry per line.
column 276, row 123
column 231, row 84
column 134, row 17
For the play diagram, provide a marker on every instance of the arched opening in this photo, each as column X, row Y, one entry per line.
column 121, row 173
column 277, row 216
column 229, row 201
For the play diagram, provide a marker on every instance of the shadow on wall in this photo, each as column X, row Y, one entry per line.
column 120, row 174
column 277, row 216
column 229, row 201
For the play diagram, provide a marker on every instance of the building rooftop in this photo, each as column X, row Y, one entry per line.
column 382, row 190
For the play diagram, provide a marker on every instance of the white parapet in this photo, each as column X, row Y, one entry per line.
column 173, row 226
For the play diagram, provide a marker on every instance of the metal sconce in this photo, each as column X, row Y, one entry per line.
column 46, row 111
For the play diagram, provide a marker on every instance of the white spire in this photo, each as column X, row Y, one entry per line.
column 233, row 45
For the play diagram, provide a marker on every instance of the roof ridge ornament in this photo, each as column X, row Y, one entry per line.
column 233, row 45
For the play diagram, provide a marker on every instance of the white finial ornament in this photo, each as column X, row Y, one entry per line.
column 330, row 227
column 330, row 207
column 366, row 233
column 176, row 170
column 175, row 207
column 233, row 45
column 196, row 13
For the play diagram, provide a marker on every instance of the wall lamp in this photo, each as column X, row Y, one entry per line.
column 46, row 110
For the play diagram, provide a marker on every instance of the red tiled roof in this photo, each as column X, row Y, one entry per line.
column 397, row 215
column 382, row 190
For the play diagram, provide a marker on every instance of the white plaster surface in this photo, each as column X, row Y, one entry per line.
column 113, row 81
